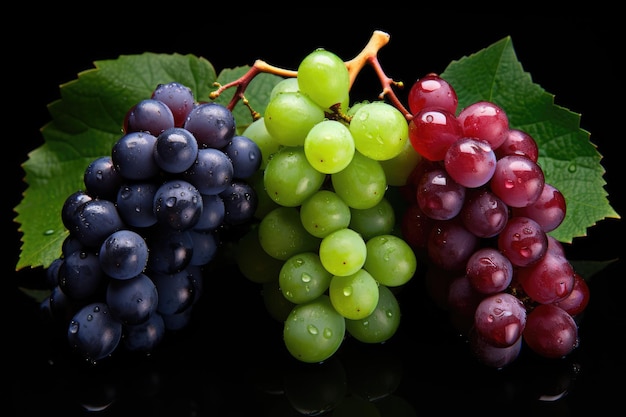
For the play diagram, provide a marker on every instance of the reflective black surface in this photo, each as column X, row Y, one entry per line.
column 230, row 360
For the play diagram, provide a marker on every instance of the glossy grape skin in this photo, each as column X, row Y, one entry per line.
column 381, row 324
column 376, row 220
column 329, row 146
column 314, row 331
column 178, row 97
column 450, row 245
column 240, row 202
column 133, row 156
column 523, row 241
column 551, row 331
column 362, row 184
column 432, row 131
column 576, row 302
column 518, row 142
column 70, row 207
column 289, row 178
column 145, row 336
column 354, row 296
column 549, row 280
column 149, row 115
column 170, row 250
column 439, row 196
column 290, row 116
column 123, row 254
column 94, row 221
column 485, row 120
column 93, row 332
column 471, row 162
column 175, row 150
column 380, row 131
column 500, row 319
column 489, row 271
column 548, row 210
column 390, row 260
column 493, row 356
column 324, row 77
column 432, row 91
column 343, row 252
column 211, row 173
column 81, row 276
column 178, row 204
column 245, row 154
column 517, row 180
column 285, row 221
column 132, row 301
column 135, row 202
column 101, row 179
column 324, row 212
column 213, row 213
column 212, row 124
column 303, row 278
column 483, row 213
column 175, row 291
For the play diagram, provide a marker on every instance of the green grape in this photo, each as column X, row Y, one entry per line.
column 324, row 77
column 290, row 116
column 399, row 168
column 289, row 178
column 255, row 263
column 343, row 252
column 382, row 324
column 323, row 213
column 303, row 278
column 275, row 303
column 354, row 296
column 376, row 220
column 288, row 85
column 362, row 184
column 259, row 134
column 314, row 331
column 390, row 260
column 282, row 235
column 329, row 146
column 380, row 131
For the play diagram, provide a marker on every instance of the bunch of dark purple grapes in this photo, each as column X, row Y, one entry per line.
column 480, row 212
column 152, row 215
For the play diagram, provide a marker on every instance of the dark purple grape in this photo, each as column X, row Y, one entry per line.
column 500, row 319
column 146, row 336
column 489, row 271
column 439, row 196
column 549, row 210
column 205, row 246
column 101, row 179
column 178, row 97
column 81, row 275
column 170, row 250
column 245, row 155
column 523, row 241
column 212, row 172
column 450, row 245
column 149, row 115
column 133, row 156
column 470, row 161
column 493, row 356
column 484, row 213
column 135, row 203
column 240, row 202
column 132, row 301
column 212, row 124
column 177, row 204
column 213, row 212
column 175, row 150
column 70, row 208
column 95, row 221
column 551, row 331
column 123, row 254
column 93, row 332
column 518, row 142
column 517, row 180
column 176, row 291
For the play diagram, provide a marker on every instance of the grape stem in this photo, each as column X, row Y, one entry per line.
column 367, row 56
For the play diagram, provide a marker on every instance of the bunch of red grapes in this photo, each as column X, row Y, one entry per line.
column 479, row 213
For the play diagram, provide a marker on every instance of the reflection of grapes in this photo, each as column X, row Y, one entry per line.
column 151, row 216
column 479, row 212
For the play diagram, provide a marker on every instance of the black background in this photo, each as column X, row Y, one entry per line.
column 231, row 359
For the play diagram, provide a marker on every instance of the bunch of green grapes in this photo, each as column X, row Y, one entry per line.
column 325, row 247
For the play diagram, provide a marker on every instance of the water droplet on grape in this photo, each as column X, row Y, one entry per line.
column 347, row 291
column 74, row 326
column 312, row 329
column 328, row 333
column 170, row 202
column 306, row 277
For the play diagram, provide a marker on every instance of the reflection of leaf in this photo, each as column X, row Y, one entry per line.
column 569, row 160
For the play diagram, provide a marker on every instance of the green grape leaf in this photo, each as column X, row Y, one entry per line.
column 86, row 122
column 568, row 158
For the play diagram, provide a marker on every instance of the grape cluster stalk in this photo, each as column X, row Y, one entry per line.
column 151, row 216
